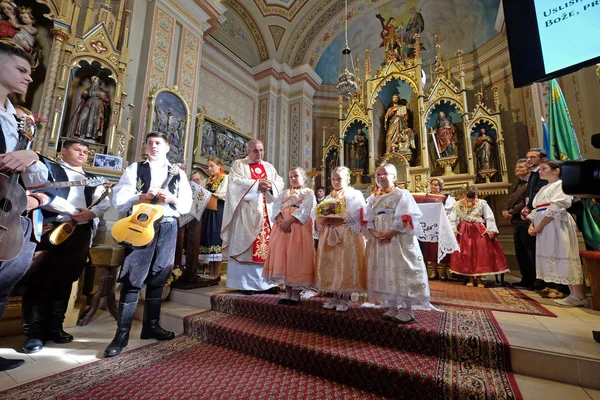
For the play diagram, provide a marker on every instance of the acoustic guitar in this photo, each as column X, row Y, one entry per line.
column 63, row 231
column 13, row 202
column 91, row 182
column 138, row 229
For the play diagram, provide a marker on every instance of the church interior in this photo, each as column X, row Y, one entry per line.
column 426, row 86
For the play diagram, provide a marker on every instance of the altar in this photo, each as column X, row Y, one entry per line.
column 437, row 228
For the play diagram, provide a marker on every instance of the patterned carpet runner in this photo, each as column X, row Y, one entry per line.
column 250, row 347
column 490, row 298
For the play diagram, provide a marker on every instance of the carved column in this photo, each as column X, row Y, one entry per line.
column 60, row 37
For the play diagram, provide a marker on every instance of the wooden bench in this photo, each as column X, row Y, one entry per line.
column 591, row 261
column 108, row 259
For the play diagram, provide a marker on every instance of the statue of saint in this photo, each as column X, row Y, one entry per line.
column 399, row 137
column 92, row 112
column 445, row 136
column 359, row 150
column 483, row 150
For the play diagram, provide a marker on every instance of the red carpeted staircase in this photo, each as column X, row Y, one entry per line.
column 457, row 354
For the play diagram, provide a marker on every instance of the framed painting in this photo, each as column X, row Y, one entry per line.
column 169, row 113
column 218, row 138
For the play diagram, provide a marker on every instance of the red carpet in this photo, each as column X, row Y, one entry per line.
column 183, row 368
column 490, row 298
column 250, row 347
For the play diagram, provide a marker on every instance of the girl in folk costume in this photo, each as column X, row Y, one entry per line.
column 430, row 249
column 557, row 250
column 210, row 234
column 396, row 270
column 291, row 246
column 340, row 262
column 480, row 251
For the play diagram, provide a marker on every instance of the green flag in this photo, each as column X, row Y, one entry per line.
column 563, row 141
column 564, row 146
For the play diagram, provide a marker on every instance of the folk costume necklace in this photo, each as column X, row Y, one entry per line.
column 381, row 192
column 213, row 183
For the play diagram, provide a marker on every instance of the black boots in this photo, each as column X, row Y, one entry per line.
column 126, row 314
column 55, row 330
column 33, row 328
column 5, row 364
column 150, row 328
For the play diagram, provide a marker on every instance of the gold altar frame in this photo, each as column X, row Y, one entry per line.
column 150, row 118
column 227, row 124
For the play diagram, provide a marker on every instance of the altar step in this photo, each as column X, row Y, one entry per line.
column 530, row 358
column 457, row 354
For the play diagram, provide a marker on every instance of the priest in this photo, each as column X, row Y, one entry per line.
column 254, row 185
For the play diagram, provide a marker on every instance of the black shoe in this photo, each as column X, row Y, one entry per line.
column 32, row 345
column 59, row 336
column 246, row 292
column 150, row 328
column 524, row 285
column 283, row 301
column 120, row 340
column 33, row 328
column 273, row 290
column 156, row 332
column 6, row 364
column 293, row 302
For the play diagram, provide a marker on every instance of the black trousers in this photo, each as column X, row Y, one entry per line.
column 55, row 268
column 12, row 271
column 525, row 252
column 151, row 265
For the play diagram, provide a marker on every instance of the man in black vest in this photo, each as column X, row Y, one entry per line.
column 524, row 242
column 535, row 157
column 15, row 76
column 152, row 264
column 55, row 267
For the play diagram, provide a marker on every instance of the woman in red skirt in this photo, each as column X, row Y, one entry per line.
column 480, row 251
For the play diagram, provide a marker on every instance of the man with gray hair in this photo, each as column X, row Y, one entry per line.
column 254, row 185
column 524, row 242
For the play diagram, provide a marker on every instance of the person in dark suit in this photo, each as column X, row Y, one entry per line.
column 524, row 243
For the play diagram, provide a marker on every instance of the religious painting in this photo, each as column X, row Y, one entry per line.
column 356, row 147
column 23, row 24
column 88, row 103
column 483, row 135
column 221, row 140
column 331, row 161
column 443, row 130
column 168, row 113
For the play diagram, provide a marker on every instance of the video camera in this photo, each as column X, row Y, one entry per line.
column 582, row 178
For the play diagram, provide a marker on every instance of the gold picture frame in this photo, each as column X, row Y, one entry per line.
column 219, row 138
column 169, row 113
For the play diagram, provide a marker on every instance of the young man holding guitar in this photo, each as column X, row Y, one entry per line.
column 55, row 267
column 155, row 181
column 15, row 158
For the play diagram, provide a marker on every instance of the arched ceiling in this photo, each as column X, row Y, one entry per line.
column 298, row 32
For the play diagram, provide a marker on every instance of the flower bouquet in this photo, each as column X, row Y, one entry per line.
column 330, row 208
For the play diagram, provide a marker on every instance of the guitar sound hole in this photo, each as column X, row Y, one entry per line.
column 143, row 217
column 5, row 205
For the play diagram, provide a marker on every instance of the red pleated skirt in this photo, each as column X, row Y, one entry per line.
column 479, row 255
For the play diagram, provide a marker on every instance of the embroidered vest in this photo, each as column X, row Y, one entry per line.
column 56, row 173
column 144, row 175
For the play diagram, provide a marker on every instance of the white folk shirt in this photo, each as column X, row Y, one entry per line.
column 76, row 198
column 126, row 194
column 37, row 173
